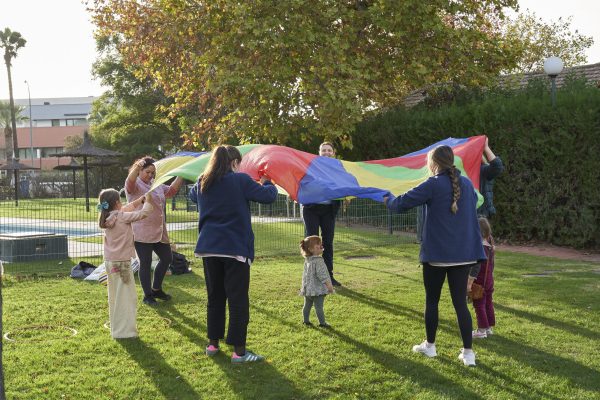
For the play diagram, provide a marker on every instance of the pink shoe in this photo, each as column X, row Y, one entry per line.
column 211, row 350
column 477, row 334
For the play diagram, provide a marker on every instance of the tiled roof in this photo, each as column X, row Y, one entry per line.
column 590, row 71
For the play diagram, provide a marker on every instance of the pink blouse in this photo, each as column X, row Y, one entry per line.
column 154, row 228
column 118, row 235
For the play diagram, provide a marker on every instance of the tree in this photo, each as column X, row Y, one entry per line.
column 268, row 71
column 7, row 119
column 11, row 42
column 131, row 117
column 540, row 40
column 6, row 124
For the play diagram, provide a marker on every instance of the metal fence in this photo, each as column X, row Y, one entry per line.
column 61, row 229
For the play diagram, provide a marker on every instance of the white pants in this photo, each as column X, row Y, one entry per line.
column 122, row 299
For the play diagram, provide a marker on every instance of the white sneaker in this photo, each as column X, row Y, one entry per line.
column 425, row 348
column 477, row 334
column 467, row 357
column 489, row 331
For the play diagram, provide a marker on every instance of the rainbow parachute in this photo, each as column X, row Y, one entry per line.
column 308, row 178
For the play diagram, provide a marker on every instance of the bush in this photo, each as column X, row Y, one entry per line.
column 550, row 190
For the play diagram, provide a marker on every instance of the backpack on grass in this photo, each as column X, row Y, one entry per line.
column 180, row 264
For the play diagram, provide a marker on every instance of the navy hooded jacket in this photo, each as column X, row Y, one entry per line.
column 224, row 226
column 447, row 237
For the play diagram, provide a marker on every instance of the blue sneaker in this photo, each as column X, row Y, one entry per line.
column 246, row 358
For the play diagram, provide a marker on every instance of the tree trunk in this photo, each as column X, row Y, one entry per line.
column 8, row 142
column 12, row 113
column 2, row 394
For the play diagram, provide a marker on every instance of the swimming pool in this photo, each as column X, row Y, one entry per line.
column 69, row 228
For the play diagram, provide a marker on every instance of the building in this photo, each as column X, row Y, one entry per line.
column 53, row 120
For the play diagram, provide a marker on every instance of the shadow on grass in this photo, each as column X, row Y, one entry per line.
column 186, row 326
column 544, row 362
column 575, row 330
column 378, row 304
column 378, row 270
column 257, row 380
column 518, row 390
column 165, row 378
column 426, row 377
column 421, row 374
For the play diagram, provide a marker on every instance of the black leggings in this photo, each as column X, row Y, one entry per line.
column 144, row 253
column 227, row 281
column 433, row 278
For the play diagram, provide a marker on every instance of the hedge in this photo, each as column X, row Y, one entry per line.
column 550, row 190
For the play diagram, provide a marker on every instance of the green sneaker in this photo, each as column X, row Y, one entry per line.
column 246, row 358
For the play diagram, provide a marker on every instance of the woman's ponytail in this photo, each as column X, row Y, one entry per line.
column 218, row 165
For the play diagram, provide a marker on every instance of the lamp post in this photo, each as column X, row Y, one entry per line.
column 30, row 125
column 553, row 66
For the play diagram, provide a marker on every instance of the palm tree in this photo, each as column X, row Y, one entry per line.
column 6, row 123
column 11, row 42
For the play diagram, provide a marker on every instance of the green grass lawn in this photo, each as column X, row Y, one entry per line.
column 545, row 347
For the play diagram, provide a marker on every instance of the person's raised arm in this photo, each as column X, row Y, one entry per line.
column 264, row 192
column 494, row 167
column 140, row 214
column 487, row 151
column 193, row 194
column 174, row 187
column 414, row 197
column 132, row 176
column 133, row 205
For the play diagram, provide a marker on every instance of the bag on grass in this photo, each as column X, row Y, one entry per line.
column 82, row 270
column 180, row 264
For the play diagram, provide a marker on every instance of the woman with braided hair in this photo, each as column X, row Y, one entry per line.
column 451, row 244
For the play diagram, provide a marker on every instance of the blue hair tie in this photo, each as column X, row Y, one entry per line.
column 102, row 206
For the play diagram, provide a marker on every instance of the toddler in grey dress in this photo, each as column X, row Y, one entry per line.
column 316, row 283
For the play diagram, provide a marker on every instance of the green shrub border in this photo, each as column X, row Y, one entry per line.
column 550, row 190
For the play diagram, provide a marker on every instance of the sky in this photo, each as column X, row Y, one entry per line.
column 60, row 49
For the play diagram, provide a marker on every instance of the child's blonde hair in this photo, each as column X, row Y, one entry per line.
column 485, row 228
column 107, row 200
column 307, row 243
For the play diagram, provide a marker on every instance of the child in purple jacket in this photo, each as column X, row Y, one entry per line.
column 484, row 307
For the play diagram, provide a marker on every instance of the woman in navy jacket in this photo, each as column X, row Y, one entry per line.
column 226, row 245
column 451, row 244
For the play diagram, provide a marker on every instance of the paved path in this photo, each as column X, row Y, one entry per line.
column 543, row 250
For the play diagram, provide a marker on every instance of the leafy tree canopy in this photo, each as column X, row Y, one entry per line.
column 268, row 71
column 132, row 116
column 540, row 40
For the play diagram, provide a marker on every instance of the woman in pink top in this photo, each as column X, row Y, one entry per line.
column 151, row 234
column 116, row 221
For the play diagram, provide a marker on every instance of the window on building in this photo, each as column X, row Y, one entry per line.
column 43, row 123
column 55, row 122
column 48, row 151
column 24, row 154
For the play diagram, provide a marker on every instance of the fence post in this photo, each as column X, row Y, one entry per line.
column 389, row 218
